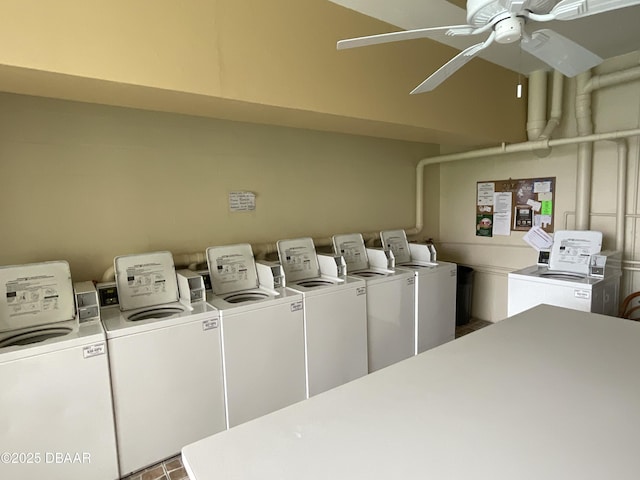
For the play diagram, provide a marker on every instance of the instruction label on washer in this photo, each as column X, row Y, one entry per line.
column 586, row 294
column 361, row 291
column 411, row 280
column 299, row 260
column 232, row 268
column 397, row 243
column 296, row 306
column 147, row 279
column 354, row 255
column 210, row 324
column 94, row 350
column 32, row 295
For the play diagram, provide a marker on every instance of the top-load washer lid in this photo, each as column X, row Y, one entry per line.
column 35, row 294
column 351, row 247
column 232, row 269
column 299, row 261
column 146, row 280
column 572, row 249
column 396, row 241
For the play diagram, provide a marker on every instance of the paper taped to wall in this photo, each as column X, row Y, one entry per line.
column 242, row 201
column 538, row 239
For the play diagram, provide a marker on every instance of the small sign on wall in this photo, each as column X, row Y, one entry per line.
column 242, row 201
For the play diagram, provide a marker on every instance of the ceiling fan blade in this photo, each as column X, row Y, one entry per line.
column 572, row 9
column 406, row 35
column 559, row 52
column 452, row 66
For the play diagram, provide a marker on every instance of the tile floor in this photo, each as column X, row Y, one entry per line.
column 472, row 326
column 172, row 468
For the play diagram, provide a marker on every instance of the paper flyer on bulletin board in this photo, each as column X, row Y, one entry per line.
column 503, row 206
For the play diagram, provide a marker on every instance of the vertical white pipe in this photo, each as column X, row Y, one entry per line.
column 536, row 104
column 419, row 200
column 621, row 202
column 556, row 105
column 585, row 153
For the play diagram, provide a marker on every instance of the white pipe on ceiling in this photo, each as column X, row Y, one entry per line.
column 583, row 109
column 611, row 79
column 585, row 152
column 503, row 150
column 536, row 104
column 557, row 90
column 586, row 85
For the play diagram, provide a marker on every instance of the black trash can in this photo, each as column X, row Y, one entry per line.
column 464, row 294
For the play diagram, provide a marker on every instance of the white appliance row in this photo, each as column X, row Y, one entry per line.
column 170, row 363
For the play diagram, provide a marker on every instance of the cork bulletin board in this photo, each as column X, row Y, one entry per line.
column 504, row 206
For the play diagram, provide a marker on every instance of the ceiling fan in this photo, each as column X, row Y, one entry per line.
column 505, row 21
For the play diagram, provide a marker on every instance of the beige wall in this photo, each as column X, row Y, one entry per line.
column 614, row 108
column 279, row 54
column 85, row 183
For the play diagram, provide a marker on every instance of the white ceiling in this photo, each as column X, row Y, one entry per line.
column 608, row 34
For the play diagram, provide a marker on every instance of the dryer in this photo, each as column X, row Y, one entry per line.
column 435, row 320
column 166, row 362
column 262, row 336
column 335, row 315
column 390, row 300
column 57, row 419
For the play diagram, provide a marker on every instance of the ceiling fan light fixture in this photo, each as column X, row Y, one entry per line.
column 509, row 30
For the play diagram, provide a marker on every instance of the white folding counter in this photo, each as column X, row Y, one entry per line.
column 549, row 394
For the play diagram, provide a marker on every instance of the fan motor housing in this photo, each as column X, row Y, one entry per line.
column 509, row 30
column 481, row 12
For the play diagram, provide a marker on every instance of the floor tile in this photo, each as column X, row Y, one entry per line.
column 173, row 464
column 470, row 327
column 179, row 474
column 154, row 473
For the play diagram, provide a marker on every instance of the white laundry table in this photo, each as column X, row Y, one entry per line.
column 547, row 394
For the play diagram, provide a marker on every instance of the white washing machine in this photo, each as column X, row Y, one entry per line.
column 536, row 285
column 166, row 362
column 435, row 289
column 335, row 315
column 577, row 276
column 57, row 414
column 262, row 336
column 390, row 301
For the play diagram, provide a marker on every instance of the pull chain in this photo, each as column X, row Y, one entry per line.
column 519, row 86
